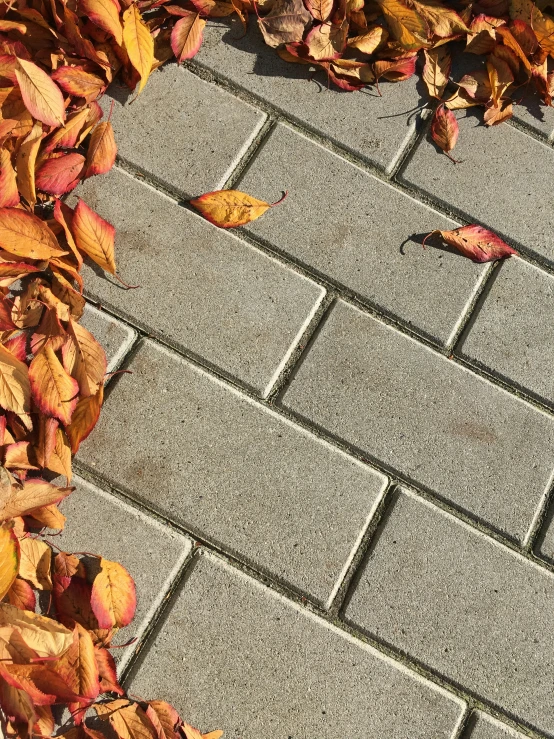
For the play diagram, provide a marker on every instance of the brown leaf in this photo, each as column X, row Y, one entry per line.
column 285, row 22
column 436, row 71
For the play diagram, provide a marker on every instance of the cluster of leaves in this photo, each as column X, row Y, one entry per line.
column 359, row 42
column 58, row 611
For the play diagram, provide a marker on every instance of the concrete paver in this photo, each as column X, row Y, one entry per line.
column 183, row 131
column 512, row 334
column 115, row 337
column 486, row 727
column 462, row 604
column 384, row 125
column 507, row 195
column 100, row 523
column 201, row 288
column 233, row 472
column 433, row 421
column 360, row 231
column 256, row 665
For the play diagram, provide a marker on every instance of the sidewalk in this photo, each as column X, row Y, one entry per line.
column 329, row 471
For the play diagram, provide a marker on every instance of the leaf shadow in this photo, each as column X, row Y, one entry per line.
column 434, row 242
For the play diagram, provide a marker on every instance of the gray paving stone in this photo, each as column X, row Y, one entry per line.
column 438, row 424
column 376, row 128
column 186, row 132
column 462, row 604
column 98, row 522
column 357, row 230
column 513, row 332
column 115, row 337
column 201, row 288
column 545, row 542
column 233, row 472
column 486, row 727
column 255, row 665
column 510, row 193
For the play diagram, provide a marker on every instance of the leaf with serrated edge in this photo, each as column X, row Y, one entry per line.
column 25, row 235
column 445, row 130
column 9, row 558
column 9, row 196
column 102, row 150
column 15, row 389
column 105, row 14
column 54, row 391
column 42, row 97
column 475, row 242
column 47, row 637
column 138, row 43
column 36, row 560
column 113, row 598
column 231, row 208
column 23, row 499
column 94, row 236
column 186, row 36
column 436, row 71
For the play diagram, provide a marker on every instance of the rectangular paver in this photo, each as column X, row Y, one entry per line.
column 462, row 604
column 100, row 523
column 360, row 232
column 186, row 132
column 510, row 193
column 115, row 337
column 482, row 726
column 512, row 334
column 233, row 472
column 201, row 288
column 436, row 423
column 376, row 128
column 255, row 665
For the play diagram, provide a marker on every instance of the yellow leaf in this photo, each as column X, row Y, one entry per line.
column 104, row 13
column 113, row 597
column 78, row 666
column 15, row 389
column 25, row 235
column 9, row 558
column 131, row 722
column 94, row 236
column 50, row 516
column 231, row 208
column 25, row 162
column 54, row 391
column 437, row 70
column 23, row 499
column 406, row 26
column 138, row 43
column 47, row 637
column 42, row 97
column 36, row 559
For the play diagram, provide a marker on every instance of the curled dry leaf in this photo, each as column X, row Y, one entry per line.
column 475, row 242
column 231, row 208
column 444, row 130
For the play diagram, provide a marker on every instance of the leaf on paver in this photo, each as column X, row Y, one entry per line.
column 475, row 242
column 186, row 36
column 444, row 130
column 94, row 236
column 231, row 208
column 113, row 595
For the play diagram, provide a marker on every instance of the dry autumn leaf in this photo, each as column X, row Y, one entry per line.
column 231, row 208
column 444, row 130
column 94, row 236
column 138, row 43
column 186, row 36
column 54, row 391
column 113, row 595
column 9, row 558
column 42, row 97
column 475, row 242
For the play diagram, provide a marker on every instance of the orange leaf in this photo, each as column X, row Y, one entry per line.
column 84, row 359
column 15, row 390
column 231, row 208
column 444, row 130
column 21, row 595
column 79, row 83
column 42, row 98
column 12, row 271
column 54, row 391
column 35, row 563
column 43, row 684
column 78, row 666
column 9, row 558
column 397, row 70
column 25, row 235
column 9, row 196
column 94, row 236
column 130, row 722
column 436, row 71
column 102, row 150
column 26, row 498
column 105, row 14
column 369, row 41
column 113, row 597
column 138, row 43
column 60, row 175
column 320, row 9
column 186, row 36
column 67, row 136
column 84, row 419
column 25, row 162
column 50, row 516
column 475, row 242
column 47, row 637
column 166, row 716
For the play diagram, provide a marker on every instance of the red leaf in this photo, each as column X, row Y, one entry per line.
column 444, row 130
column 475, row 242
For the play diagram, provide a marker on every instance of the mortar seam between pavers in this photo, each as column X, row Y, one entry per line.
column 496, row 723
column 346, row 294
column 446, row 209
column 335, row 441
column 243, row 151
column 124, row 347
column 257, row 143
column 471, row 308
column 302, row 602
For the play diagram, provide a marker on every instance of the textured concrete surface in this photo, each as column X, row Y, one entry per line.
column 429, row 573
column 389, row 122
column 261, row 667
column 201, row 288
column 100, row 523
column 273, row 422
column 186, row 133
column 506, row 194
column 505, row 336
column 360, row 232
column 486, row 727
column 233, row 472
column 431, row 420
